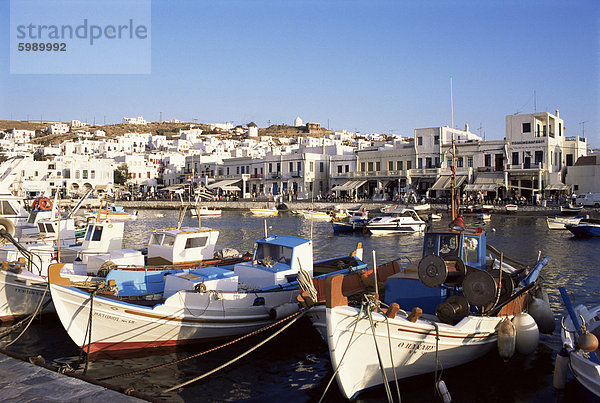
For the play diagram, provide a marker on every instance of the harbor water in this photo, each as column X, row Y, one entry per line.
column 295, row 365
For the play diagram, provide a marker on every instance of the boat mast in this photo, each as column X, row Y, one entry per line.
column 454, row 200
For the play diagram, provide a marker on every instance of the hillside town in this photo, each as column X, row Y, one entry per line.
column 536, row 162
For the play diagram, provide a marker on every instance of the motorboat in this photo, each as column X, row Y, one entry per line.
column 420, row 206
column 143, row 309
column 585, row 228
column 578, row 325
column 315, row 214
column 265, row 211
column 435, row 216
column 396, row 221
column 511, row 208
column 485, row 217
column 448, row 309
column 560, row 223
column 113, row 213
column 204, row 211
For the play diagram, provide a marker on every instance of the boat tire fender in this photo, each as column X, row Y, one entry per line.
column 283, row 310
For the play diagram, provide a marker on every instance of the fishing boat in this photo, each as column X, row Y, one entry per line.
column 560, row 223
column 205, row 212
column 355, row 221
column 570, row 210
column 444, row 311
column 585, row 228
column 511, row 208
column 579, row 335
column 420, row 206
column 113, row 213
column 142, row 309
column 396, row 221
column 265, row 211
column 315, row 214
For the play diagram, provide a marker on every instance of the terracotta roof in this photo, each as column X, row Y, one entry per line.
column 588, row 160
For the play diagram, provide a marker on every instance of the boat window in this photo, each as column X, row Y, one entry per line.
column 470, row 249
column 6, row 208
column 169, row 240
column 156, row 239
column 274, row 253
column 429, row 248
column 31, row 218
column 41, row 227
column 197, row 242
column 448, row 244
column 49, row 228
column 97, row 233
column 89, row 232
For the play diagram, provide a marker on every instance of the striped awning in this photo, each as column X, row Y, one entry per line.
column 350, row 185
column 225, row 185
column 445, row 182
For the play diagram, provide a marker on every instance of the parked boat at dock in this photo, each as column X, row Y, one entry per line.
column 585, row 228
column 355, row 221
column 560, row 223
column 174, row 306
column 446, row 315
column 113, row 213
column 266, row 211
column 570, row 210
column 205, row 212
column 396, row 221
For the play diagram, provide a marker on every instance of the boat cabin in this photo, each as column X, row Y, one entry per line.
column 277, row 260
column 100, row 237
column 183, row 245
column 469, row 246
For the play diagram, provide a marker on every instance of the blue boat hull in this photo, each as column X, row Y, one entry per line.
column 584, row 230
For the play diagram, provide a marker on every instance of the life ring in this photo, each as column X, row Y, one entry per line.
column 42, row 203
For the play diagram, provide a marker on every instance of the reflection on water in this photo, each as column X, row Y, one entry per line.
column 296, row 364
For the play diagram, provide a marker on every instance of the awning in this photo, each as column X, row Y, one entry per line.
column 172, row 188
column 486, row 182
column 350, row 185
column 558, row 186
column 225, row 185
column 445, row 182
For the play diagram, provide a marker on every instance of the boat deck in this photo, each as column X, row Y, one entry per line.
column 23, row 381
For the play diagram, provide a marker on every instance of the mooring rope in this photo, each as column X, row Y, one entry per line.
column 387, row 322
column 388, row 392
column 247, row 335
column 299, row 315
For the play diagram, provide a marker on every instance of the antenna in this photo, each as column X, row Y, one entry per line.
column 481, row 126
column 534, row 102
column 451, row 106
column 583, row 128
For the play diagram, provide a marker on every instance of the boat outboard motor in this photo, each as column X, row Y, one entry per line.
column 434, row 271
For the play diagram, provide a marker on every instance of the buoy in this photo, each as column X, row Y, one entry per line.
column 587, row 342
column 541, row 293
column 283, row 310
column 506, row 339
column 443, row 391
column 561, row 367
column 542, row 314
column 528, row 334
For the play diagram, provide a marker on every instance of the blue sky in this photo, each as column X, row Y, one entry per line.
column 371, row 66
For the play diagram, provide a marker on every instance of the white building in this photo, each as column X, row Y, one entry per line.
column 298, row 122
column 20, row 136
column 58, row 128
column 584, row 175
column 134, row 121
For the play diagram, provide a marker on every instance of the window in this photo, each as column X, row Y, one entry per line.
column 339, row 169
column 362, row 167
column 77, row 174
column 49, row 228
column 243, row 170
column 420, row 163
column 237, row 170
column 459, row 162
column 168, row 240
column 515, row 158
column 197, row 242
column 420, row 140
column 575, row 187
column 437, row 162
column 539, row 157
column 97, row 233
column 378, row 166
column 85, row 174
column 470, row 249
column 321, row 167
column 156, row 238
column 450, row 163
column 291, row 166
column 270, row 168
column 278, row 167
column 6, row 208
column 299, row 165
column 470, row 162
column 436, row 139
column 569, row 160
column 428, row 162
column 347, row 167
column 408, row 164
column 370, row 165
column 273, row 253
column 487, row 160
column 526, row 127
column 399, row 165
column 227, row 170
column 67, row 174
column 390, row 165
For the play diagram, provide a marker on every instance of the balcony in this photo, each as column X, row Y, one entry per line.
column 525, row 166
column 275, row 175
column 256, row 176
column 296, row 174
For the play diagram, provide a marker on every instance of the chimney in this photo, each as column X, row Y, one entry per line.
column 466, row 127
column 556, row 113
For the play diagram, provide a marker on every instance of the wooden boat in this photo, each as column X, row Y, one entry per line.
column 205, row 212
column 113, row 213
column 433, row 328
column 396, row 221
column 511, row 208
column 266, row 211
column 142, row 309
column 560, row 223
column 570, row 210
column 585, row 365
column 585, row 228
column 355, row 221
column 315, row 214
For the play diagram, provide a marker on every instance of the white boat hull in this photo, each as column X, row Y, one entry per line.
column 584, row 369
column 413, row 346
column 264, row 212
column 390, row 229
column 560, row 223
column 20, row 294
column 185, row 317
column 206, row 213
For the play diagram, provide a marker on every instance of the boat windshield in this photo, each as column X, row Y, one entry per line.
column 273, row 253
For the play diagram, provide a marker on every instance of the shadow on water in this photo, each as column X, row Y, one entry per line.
column 295, row 366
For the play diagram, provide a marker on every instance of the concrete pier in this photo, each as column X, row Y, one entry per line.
column 23, row 382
